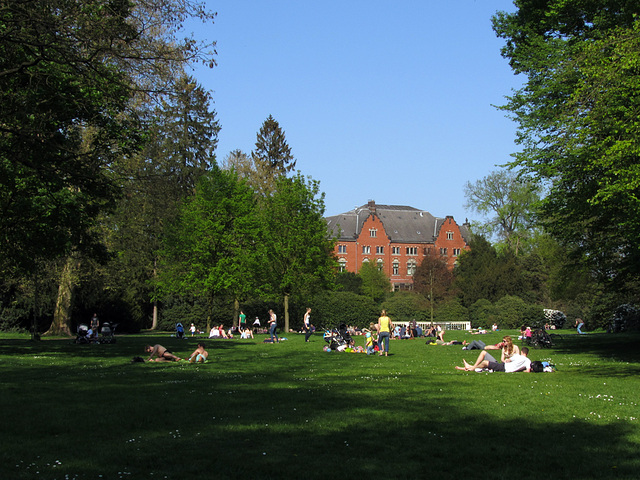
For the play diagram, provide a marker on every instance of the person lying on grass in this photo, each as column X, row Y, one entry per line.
column 162, row 354
column 199, row 355
column 515, row 363
column 480, row 345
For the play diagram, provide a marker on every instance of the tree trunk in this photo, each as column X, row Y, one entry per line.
column 64, row 302
column 209, row 312
column 236, row 309
column 154, row 321
column 286, row 312
column 431, row 294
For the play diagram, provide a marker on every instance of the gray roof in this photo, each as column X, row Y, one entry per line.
column 402, row 224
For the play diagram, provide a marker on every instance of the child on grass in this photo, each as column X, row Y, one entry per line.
column 200, row 355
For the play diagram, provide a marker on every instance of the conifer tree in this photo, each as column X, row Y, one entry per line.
column 272, row 156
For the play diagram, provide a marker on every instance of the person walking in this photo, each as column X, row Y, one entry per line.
column 385, row 326
column 579, row 325
column 307, row 325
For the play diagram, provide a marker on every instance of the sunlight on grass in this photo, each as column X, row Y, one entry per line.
column 290, row 410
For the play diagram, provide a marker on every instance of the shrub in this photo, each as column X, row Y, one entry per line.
column 407, row 306
column 451, row 311
column 511, row 311
column 483, row 314
column 330, row 309
column 184, row 310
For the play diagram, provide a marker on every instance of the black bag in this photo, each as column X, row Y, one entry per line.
column 537, row 367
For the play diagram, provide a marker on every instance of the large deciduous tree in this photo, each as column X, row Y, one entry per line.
column 211, row 250
column 577, row 118
column 183, row 134
column 68, row 71
column 296, row 250
column 433, row 279
column 69, row 74
column 509, row 203
column 375, row 283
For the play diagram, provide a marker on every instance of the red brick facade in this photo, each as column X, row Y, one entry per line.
column 395, row 238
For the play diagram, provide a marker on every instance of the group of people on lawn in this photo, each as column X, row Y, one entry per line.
column 512, row 358
column 158, row 353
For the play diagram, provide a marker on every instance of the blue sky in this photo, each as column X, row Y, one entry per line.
column 380, row 100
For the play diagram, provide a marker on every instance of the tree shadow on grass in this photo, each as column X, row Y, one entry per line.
column 617, row 347
column 224, row 420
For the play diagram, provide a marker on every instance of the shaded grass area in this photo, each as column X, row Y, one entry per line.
column 291, row 411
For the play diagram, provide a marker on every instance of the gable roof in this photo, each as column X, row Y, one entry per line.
column 401, row 223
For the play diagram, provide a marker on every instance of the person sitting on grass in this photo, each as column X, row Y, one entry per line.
column 515, row 363
column 200, row 355
column 162, row 354
column 369, row 342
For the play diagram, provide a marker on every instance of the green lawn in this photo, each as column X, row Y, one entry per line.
column 291, row 410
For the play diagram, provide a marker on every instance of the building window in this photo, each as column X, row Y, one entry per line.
column 380, row 265
column 456, row 252
column 366, row 249
column 342, row 249
column 395, row 250
column 443, row 251
column 342, row 265
column 373, row 233
column 412, row 250
column 396, row 268
column 449, row 235
column 411, row 267
column 379, row 250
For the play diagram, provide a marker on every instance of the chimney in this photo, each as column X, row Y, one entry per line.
column 372, row 207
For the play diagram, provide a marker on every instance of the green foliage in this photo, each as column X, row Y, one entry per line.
column 296, row 255
column 349, row 282
column 186, row 310
column 68, row 74
column 513, row 312
column 578, row 124
column 211, row 249
column 375, row 283
column 509, row 201
column 482, row 273
column 272, row 156
column 407, row 306
column 179, row 150
column 332, row 309
column 451, row 311
column 483, row 314
column 433, row 279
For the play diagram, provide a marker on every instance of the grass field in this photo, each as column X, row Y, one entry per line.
column 291, row 410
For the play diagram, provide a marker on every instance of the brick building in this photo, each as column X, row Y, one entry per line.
column 396, row 238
